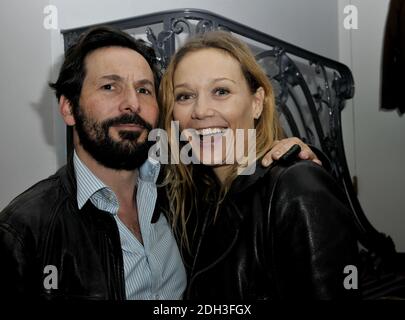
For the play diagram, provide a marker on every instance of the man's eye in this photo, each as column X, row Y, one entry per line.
column 144, row 91
column 107, row 87
column 221, row 91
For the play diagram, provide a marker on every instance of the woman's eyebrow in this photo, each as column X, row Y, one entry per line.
column 185, row 85
column 222, row 79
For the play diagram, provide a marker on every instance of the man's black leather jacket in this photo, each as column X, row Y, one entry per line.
column 44, row 227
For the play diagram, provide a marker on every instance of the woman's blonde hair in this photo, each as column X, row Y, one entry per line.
column 179, row 177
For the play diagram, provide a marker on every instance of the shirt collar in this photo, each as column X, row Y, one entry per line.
column 149, row 170
column 88, row 184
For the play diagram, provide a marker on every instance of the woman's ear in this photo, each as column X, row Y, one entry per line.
column 258, row 100
column 66, row 111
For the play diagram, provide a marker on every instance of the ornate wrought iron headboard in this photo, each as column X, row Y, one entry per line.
column 311, row 90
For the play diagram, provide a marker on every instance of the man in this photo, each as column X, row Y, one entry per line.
column 91, row 230
column 91, row 222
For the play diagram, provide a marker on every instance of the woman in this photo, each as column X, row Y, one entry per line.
column 280, row 232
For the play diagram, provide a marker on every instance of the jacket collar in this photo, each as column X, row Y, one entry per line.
column 68, row 180
column 242, row 182
column 225, row 229
column 162, row 203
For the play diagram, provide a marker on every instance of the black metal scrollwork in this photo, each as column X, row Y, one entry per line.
column 204, row 26
column 159, row 42
column 178, row 26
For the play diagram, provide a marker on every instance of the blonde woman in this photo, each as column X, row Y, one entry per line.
column 281, row 232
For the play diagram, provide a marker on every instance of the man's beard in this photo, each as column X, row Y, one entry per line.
column 126, row 154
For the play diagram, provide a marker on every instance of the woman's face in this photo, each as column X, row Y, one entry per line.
column 211, row 95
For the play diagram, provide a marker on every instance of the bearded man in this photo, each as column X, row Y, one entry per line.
column 90, row 230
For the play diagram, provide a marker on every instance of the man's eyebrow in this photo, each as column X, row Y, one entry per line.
column 113, row 77
column 144, row 82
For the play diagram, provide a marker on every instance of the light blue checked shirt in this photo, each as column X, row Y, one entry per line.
column 154, row 270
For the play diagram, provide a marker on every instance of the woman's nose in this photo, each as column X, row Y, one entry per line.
column 202, row 108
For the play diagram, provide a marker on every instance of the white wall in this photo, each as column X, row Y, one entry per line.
column 26, row 121
column 378, row 135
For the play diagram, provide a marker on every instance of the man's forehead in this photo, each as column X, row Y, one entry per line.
column 117, row 60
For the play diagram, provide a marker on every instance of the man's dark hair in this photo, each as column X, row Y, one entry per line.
column 73, row 71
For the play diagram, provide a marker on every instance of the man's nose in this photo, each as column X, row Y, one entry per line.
column 131, row 102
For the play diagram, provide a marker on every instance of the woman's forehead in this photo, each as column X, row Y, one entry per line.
column 208, row 62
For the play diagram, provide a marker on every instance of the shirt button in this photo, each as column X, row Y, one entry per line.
column 157, row 297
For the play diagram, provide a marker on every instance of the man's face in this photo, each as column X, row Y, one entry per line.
column 117, row 108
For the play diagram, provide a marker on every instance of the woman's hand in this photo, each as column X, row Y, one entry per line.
column 280, row 147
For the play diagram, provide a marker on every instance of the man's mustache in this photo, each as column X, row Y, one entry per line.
column 129, row 118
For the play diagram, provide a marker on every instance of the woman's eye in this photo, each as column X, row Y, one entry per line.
column 184, row 96
column 221, row 92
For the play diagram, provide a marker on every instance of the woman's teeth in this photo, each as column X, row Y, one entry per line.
column 210, row 131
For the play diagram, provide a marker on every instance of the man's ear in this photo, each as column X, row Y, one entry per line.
column 258, row 100
column 66, row 111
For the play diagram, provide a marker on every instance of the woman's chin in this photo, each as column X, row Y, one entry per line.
column 211, row 158
column 212, row 162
